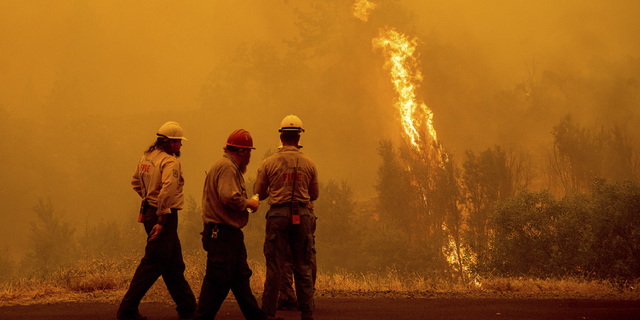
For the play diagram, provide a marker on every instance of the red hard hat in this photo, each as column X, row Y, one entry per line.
column 241, row 139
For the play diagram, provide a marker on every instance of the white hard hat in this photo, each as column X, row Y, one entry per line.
column 291, row 123
column 171, row 130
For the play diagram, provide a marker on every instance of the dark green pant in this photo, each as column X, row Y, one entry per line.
column 287, row 293
column 163, row 257
column 282, row 235
column 227, row 269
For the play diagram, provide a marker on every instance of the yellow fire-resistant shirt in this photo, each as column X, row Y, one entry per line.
column 158, row 178
column 276, row 176
column 224, row 199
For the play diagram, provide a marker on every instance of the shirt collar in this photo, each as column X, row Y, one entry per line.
column 228, row 156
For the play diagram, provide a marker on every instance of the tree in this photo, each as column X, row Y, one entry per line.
column 616, row 230
column 581, row 154
column 621, row 159
column 399, row 236
column 523, row 238
column 190, row 226
column 419, row 208
column 394, row 189
column 577, row 155
column 102, row 239
column 489, row 177
column 52, row 242
column 335, row 236
column 258, row 77
column 7, row 265
column 447, row 199
column 574, row 236
column 328, row 28
column 591, row 235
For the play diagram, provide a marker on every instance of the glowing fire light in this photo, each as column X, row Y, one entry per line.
column 398, row 50
column 362, row 9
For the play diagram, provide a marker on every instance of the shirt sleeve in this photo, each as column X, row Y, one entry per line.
column 230, row 190
column 314, row 186
column 170, row 180
column 261, row 184
column 135, row 182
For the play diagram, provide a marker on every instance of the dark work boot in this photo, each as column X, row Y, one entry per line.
column 307, row 315
column 136, row 316
column 287, row 305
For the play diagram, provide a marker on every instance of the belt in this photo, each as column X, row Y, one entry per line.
column 288, row 204
column 219, row 225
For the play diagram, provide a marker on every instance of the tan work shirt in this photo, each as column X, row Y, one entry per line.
column 276, row 176
column 224, row 199
column 158, row 178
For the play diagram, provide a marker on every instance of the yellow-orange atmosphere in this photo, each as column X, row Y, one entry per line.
column 84, row 85
column 362, row 9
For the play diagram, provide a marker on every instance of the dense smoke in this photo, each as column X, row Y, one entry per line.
column 85, row 85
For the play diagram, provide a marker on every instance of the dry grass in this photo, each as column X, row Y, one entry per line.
column 566, row 285
column 106, row 280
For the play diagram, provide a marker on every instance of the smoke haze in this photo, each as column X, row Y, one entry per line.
column 84, row 86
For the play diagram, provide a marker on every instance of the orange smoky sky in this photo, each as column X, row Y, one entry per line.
column 135, row 56
column 146, row 55
column 128, row 66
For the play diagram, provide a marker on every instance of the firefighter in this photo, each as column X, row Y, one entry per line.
column 159, row 182
column 224, row 213
column 290, row 180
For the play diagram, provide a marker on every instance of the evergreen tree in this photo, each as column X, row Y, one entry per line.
column 51, row 239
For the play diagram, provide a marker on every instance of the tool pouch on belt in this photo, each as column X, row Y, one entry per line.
column 143, row 208
column 295, row 212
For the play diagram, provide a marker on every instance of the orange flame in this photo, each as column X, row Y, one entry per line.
column 398, row 50
column 362, row 9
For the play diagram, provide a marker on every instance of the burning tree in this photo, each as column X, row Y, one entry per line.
column 419, row 197
column 429, row 210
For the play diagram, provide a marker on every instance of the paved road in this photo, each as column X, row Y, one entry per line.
column 361, row 308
